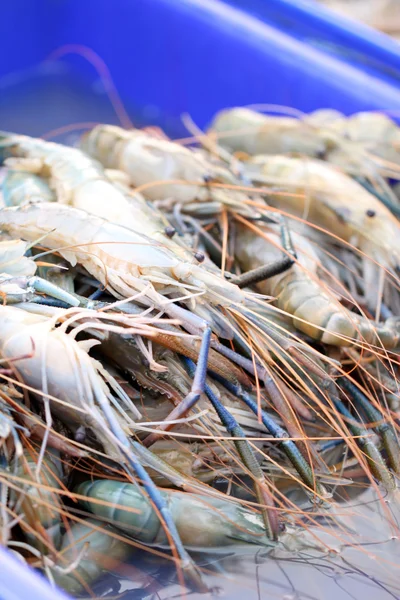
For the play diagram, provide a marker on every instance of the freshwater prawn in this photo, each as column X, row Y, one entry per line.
column 245, row 130
column 21, row 187
column 126, row 263
column 366, row 142
column 13, row 260
column 299, row 293
column 372, row 136
column 55, row 364
column 330, row 199
column 165, row 171
column 364, row 145
column 204, row 522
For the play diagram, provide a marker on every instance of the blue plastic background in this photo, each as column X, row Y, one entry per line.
column 336, row 35
column 198, row 56
column 168, row 57
column 20, row 583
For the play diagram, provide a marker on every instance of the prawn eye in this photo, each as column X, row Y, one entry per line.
column 199, row 256
column 207, row 178
column 170, row 231
column 370, row 213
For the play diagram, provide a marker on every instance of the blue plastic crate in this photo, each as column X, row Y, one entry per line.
column 197, row 56
column 334, row 34
column 20, row 583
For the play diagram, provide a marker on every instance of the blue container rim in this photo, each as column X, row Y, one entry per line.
column 18, row 581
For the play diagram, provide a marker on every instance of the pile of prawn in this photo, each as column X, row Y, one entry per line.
column 199, row 340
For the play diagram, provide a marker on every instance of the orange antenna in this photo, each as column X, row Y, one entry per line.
column 104, row 73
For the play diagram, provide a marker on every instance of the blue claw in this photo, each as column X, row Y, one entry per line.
column 245, row 451
column 366, row 445
column 384, row 429
column 289, row 447
column 152, row 490
column 46, row 287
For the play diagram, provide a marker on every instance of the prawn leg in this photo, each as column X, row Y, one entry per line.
column 199, row 380
column 280, row 397
column 386, row 431
column 21, row 289
column 188, row 348
column 289, row 447
column 277, row 267
column 42, row 286
column 372, row 454
column 246, row 453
